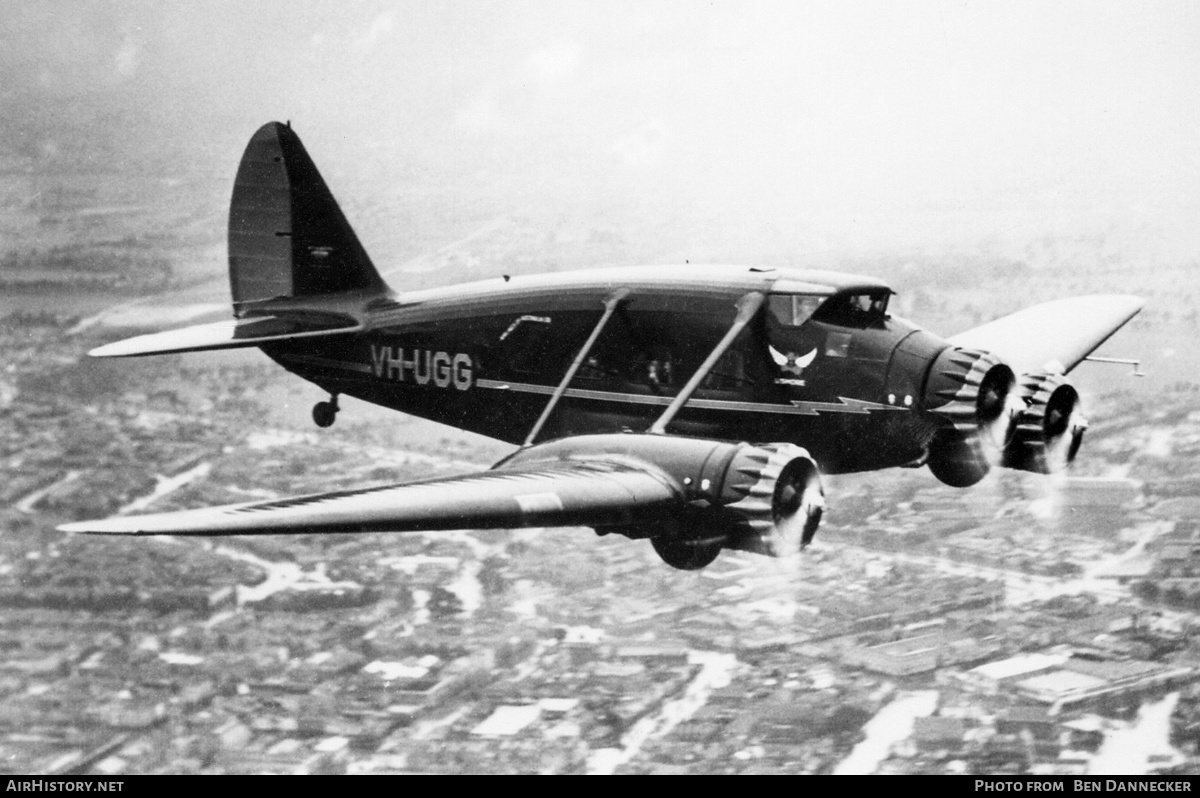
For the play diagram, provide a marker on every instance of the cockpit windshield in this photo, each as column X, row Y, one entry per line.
column 792, row 310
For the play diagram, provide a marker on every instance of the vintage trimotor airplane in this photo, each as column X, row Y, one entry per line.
column 696, row 406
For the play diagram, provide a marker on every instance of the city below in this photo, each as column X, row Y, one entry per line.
column 1044, row 625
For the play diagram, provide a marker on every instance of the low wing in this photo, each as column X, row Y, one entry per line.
column 1060, row 333
column 229, row 334
column 595, row 492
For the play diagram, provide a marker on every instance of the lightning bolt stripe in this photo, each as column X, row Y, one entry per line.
column 795, row 408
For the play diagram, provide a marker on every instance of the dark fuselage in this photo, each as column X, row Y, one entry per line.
column 843, row 380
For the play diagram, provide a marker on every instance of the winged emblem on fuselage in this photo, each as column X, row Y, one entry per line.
column 792, row 363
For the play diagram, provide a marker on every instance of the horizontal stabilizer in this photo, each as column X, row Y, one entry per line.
column 576, row 493
column 229, row 334
column 1055, row 336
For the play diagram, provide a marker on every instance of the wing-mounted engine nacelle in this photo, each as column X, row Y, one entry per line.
column 776, row 495
column 1049, row 428
column 974, row 392
column 766, row 499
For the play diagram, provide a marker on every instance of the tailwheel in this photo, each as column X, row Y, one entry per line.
column 686, row 555
column 325, row 413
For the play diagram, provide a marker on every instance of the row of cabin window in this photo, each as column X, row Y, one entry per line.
column 528, row 336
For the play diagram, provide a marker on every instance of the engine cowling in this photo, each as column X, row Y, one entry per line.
column 763, row 499
column 775, row 495
column 766, row 499
column 973, row 392
column 1049, row 428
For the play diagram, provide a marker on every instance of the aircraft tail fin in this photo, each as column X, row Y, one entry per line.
column 296, row 268
column 287, row 235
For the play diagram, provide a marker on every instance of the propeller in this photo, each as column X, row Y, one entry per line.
column 974, row 392
column 1050, row 426
column 998, row 408
column 799, row 502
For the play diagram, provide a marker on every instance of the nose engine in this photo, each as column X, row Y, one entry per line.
column 975, row 392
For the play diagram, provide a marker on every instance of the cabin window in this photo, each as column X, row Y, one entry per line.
column 658, row 368
column 593, row 369
column 517, row 322
column 526, row 343
column 729, row 373
column 792, row 310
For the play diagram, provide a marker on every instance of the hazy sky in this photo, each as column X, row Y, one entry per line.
column 1038, row 110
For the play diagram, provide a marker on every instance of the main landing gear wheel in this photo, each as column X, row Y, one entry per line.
column 686, row 555
column 325, row 413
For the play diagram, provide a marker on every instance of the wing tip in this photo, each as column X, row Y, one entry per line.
column 1136, row 302
column 115, row 349
column 1132, row 300
column 1124, row 306
column 99, row 528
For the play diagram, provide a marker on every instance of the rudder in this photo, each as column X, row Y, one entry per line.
column 287, row 235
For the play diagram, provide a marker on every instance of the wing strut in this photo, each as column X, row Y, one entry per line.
column 747, row 306
column 610, row 306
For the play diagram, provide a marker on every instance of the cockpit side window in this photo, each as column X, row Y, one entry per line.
column 792, row 310
column 854, row 310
